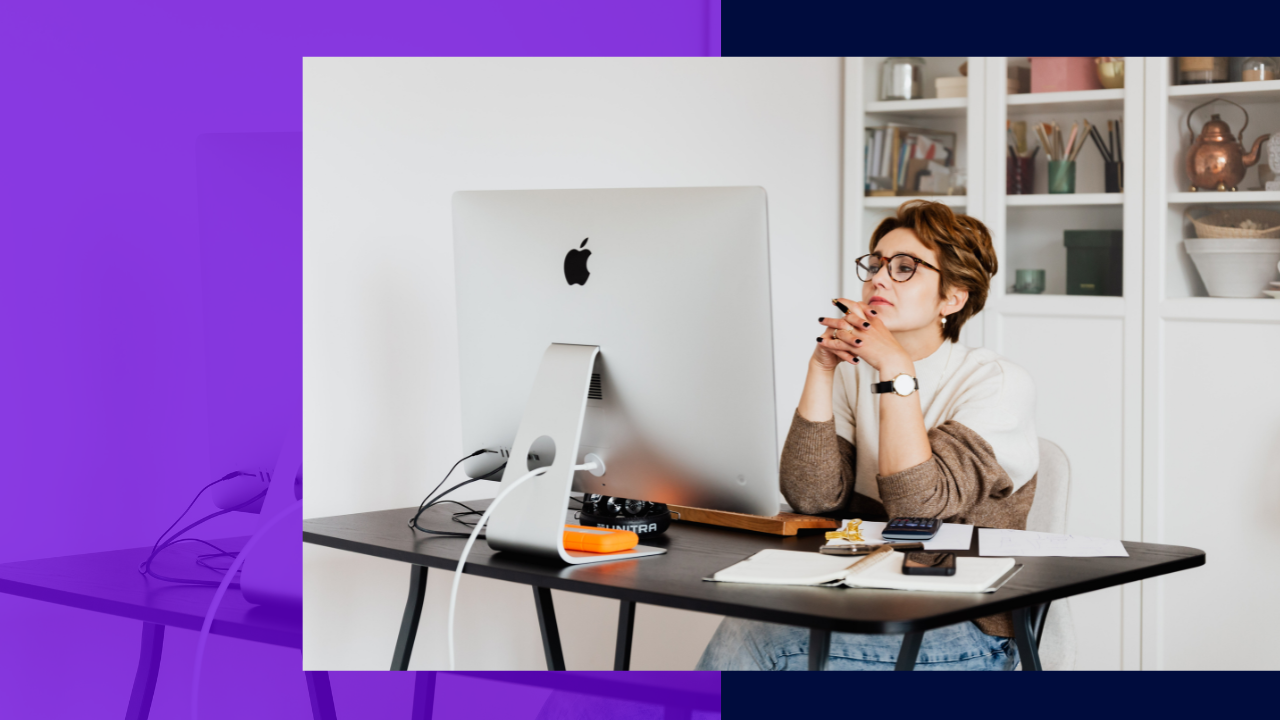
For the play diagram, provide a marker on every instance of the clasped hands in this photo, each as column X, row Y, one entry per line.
column 859, row 335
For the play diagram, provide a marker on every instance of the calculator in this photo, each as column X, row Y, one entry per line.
column 909, row 528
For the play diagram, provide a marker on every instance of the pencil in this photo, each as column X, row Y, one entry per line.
column 1044, row 141
column 1080, row 145
column 1097, row 140
column 1119, row 143
column 1111, row 139
column 1071, row 143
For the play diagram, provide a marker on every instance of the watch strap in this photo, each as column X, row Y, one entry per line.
column 887, row 386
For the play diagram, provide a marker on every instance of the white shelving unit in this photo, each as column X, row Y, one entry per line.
column 1131, row 387
column 1189, row 341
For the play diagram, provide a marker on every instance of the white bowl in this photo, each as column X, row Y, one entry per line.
column 1235, row 267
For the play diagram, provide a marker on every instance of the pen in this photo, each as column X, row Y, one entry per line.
column 840, row 305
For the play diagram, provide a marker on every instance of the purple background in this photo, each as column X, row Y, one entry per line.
column 116, row 295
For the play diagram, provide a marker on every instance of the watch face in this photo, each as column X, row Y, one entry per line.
column 904, row 384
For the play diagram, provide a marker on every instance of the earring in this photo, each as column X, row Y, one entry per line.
column 944, row 321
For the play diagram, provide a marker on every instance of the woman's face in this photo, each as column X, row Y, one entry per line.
column 910, row 305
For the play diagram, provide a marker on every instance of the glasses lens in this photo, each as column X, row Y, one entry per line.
column 868, row 266
column 902, row 268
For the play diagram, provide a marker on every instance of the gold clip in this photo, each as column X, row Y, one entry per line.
column 852, row 532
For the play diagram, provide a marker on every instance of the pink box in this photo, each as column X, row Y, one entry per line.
column 1060, row 74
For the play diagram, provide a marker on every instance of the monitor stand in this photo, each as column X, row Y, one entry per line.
column 531, row 519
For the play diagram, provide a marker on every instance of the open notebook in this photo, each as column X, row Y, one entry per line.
column 788, row 567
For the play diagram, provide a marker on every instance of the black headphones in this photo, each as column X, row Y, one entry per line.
column 644, row 518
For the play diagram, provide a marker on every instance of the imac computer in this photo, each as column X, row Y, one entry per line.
column 630, row 325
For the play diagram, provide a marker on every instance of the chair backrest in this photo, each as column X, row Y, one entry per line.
column 1049, row 514
column 1053, row 482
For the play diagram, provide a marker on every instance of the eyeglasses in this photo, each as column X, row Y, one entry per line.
column 901, row 267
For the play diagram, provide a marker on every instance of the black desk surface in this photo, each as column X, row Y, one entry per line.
column 109, row 582
column 696, row 551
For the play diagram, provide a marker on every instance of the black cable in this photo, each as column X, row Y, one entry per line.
column 145, row 566
column 446, row 477
column 437, row 501
column 428, row 502
column 162, row 544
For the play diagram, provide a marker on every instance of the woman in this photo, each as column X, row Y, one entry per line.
column 948, row 433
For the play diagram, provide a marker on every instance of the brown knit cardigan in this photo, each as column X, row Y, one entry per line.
column 961, row 483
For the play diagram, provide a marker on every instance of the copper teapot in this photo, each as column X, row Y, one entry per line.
column 1216, row 161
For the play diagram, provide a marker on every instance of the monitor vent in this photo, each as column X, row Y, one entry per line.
column 594, row 392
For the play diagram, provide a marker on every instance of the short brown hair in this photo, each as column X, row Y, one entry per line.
column 966, row 256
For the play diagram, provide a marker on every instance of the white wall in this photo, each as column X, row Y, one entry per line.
column 386, row 143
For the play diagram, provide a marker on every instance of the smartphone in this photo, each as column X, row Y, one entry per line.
column 929, row 563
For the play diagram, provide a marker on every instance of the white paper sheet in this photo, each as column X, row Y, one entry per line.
column 1023, row 543
column 951, row 537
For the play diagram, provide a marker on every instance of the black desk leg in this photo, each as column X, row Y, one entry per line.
column 424, row 695
column 412, row 612
column 626, row 623
column 144, row 680
column 819, row 648
column 909, row 651
column 321, row 695
column 1024, row 636
column 547, row 623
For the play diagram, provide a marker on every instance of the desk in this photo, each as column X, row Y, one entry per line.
column 109, row 582
column 697, row 551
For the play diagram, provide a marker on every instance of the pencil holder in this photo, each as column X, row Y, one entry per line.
column 1062, row 176
column 1114, row 176
column 1019, row 178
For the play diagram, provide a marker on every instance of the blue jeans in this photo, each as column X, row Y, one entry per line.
column 752, row 645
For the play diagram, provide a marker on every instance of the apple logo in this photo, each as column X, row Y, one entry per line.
column 575, row 265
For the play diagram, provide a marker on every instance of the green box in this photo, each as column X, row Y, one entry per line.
column 1095, row 262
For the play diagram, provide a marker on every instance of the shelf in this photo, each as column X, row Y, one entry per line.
column 1264, row 310
column 893, row 201
column 1233, row 89
column 1088, row 306
column 932, row 107
column 1051, row 200
column 1213, row 197
column 1074, row 101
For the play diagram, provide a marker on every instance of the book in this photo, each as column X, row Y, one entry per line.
column 789, row 567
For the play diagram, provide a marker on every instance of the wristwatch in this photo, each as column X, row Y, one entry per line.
column 903, row 385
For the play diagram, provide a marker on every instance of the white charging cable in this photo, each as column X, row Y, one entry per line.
column 593, row 465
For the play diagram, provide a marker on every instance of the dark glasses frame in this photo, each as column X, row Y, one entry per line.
column 864, row 270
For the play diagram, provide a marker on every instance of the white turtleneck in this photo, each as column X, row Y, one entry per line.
column 975, row 387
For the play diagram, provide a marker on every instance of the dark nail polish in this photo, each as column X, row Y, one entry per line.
column 858, row 341
column 855, row 360
column 873, row 312
column 821, row 319
column 866, row 324
column 819, row 338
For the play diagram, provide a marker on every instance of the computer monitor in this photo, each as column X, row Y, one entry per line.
column 672, row 285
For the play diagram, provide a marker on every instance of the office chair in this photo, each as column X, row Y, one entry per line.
column 1055, row 632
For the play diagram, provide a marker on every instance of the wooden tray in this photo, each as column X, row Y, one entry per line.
column 784, row 523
